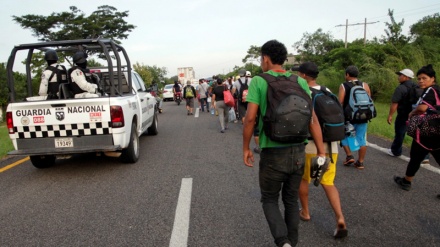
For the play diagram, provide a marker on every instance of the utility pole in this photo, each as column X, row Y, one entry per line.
column 355, row 24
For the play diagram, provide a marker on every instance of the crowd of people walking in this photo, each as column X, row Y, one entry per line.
column 287, row 166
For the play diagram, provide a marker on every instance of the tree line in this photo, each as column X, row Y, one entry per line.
column 378, row 59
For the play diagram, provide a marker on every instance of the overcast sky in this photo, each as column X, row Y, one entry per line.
column 213, row 36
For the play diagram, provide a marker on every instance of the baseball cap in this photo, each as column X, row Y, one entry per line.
column 308, row 68
column 406, row 72
column 352, row 71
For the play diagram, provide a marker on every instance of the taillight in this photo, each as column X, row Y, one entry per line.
column 10, row 122
column 117, row 116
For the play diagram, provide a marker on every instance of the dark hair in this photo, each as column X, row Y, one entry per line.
column 427, row 70
column 275, row 50
column 352, row 71
column 219, row 81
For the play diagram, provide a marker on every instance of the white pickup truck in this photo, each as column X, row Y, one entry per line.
column 46, row 129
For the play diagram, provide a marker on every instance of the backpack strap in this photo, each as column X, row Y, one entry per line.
column 54, row 71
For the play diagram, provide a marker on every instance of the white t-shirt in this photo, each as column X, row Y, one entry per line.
column 237, row 84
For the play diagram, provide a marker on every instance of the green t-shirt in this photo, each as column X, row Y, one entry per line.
column 257, row 93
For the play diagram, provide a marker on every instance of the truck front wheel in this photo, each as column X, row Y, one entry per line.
column 43, row 161
column 131, row 153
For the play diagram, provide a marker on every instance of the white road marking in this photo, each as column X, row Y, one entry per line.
column 403, row 157
column 197, row 112
column 179, row 236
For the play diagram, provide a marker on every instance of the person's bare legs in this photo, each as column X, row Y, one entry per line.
column 333, row 197
column 304, row 199
column 347, row 150
column 362, row 152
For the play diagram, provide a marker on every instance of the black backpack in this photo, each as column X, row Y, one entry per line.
column 243, row 90
column 289, row 109
column 330, row 114
column 60, row 73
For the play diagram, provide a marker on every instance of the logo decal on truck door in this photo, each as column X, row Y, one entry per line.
column 59, row 115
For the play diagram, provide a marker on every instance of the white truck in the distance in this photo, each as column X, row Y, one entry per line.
column 112, row 123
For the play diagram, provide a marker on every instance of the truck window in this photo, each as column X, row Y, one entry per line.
column 140, row 82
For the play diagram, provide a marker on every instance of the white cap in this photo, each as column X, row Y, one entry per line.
column 248, row 73
column 406, row 72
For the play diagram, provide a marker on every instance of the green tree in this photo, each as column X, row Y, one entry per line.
column 144, row 72
column 253, row 54
column 3, row 85
column 428, row 26
column 394, row 32
column 151, row 73
column 314, row 46
column 104, row 22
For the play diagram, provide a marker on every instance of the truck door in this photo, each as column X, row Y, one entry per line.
column 146, row 100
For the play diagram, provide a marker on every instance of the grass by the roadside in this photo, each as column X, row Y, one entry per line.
column 5, row 141
column 378, row 126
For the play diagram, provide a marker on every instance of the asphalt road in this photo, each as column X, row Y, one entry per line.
column 97, row 201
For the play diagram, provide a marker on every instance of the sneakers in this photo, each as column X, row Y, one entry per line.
column 222, row 131
column 359, row 165
column 425, row 161
column 390, row 153
column 349, row 160
column 403, row 183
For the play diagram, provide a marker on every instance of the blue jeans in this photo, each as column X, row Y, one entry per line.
column 399, row 134
column 203, row 105
column 281, row 169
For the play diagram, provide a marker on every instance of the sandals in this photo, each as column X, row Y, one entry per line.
column 302, row 217
column 340, row 231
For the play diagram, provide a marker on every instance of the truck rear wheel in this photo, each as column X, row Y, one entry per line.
column 131, row 153
column 152, row 130
column 43, row 161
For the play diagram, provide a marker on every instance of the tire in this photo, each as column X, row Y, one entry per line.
column 152, row 130
column 43, row 161
column 131, row 153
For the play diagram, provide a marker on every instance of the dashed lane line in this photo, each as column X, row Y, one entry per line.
column 405, row 158
column 13, row 164
column 179, row 235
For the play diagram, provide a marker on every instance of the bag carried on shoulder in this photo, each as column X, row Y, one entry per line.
column 289, row 109
column 330, row 114
column 426, row 125
column 227, row 97
column 243, row 90
column 360, row 107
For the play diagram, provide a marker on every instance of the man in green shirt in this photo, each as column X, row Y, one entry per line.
column 281, row 164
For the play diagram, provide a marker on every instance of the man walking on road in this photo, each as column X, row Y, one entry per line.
column 202, row 90
column 351, row 74
column 281, row 164
column 309, row 71
column 189, row 93
column 401, row 103
column 239, row 86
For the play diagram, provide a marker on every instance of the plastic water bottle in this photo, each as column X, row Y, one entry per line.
column 350, row 132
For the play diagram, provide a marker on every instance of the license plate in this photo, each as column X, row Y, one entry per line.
column 64, row 143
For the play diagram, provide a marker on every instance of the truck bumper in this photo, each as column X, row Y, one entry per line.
column 83, row 144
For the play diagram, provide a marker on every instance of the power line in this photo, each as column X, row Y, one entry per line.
column 356, row 24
